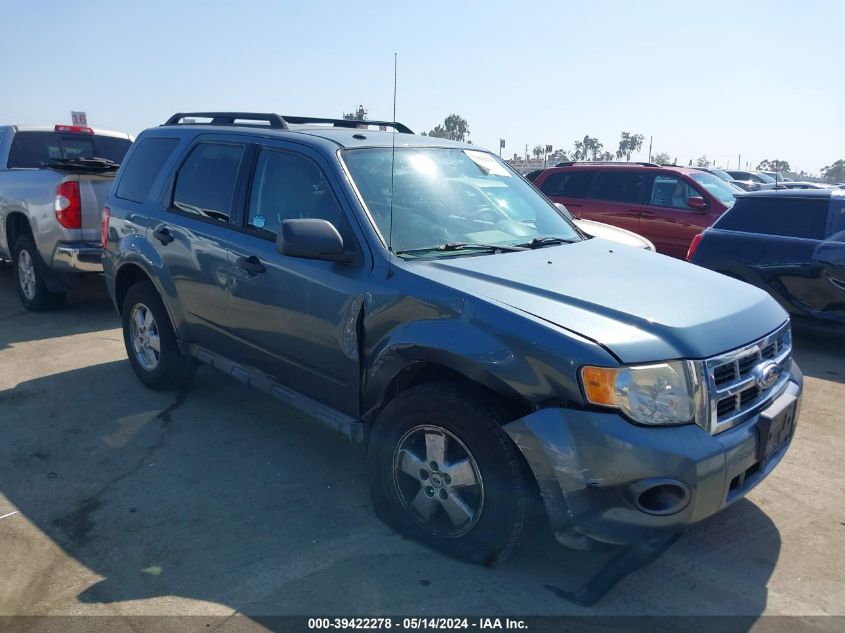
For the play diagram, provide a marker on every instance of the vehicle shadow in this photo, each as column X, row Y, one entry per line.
column 223, row 495
column 88, row 309
column 820, row 355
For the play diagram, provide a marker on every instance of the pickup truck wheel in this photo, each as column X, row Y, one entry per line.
column 442, row 470
column 29, row 275
column 151, row 342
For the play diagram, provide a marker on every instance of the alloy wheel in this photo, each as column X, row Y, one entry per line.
column 144, row 334
column 26, row 274
column 438, row 481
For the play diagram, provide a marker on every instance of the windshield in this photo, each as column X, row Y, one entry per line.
column 721, row 173
column 763, row 176
column 718, row 188
column 451, row 196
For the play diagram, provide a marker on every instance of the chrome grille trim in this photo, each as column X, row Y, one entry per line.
column 729, row 376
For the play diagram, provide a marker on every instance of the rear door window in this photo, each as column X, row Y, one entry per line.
column 144, row 165
column 804, row 218
column 618, row 186
column 37, row 149
column 569, row 184
column 205, row 183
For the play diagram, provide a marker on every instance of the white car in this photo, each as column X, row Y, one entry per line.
column 608, row 231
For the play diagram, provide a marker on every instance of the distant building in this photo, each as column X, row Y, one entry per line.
column 524, row 166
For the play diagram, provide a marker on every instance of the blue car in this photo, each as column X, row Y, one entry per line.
column 420, row 297
column 790, row 243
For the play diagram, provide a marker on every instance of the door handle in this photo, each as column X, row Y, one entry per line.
column 648, row 215
column 251, row 264
column 163, row 235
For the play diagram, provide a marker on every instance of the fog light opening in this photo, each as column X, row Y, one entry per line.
column 663, row 499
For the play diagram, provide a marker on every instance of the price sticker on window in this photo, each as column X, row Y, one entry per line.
column 487, row 163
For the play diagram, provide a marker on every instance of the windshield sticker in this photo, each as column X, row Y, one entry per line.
column 259, row 222
column 487, row 163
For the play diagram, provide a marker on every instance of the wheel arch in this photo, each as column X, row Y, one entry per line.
column 16, row 224
column 132, row 273
column 443, row 368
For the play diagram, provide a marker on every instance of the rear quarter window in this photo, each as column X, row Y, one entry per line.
column 787, row 217
column 143, row 166
column 570, row 184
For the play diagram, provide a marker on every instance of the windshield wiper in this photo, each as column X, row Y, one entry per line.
column 540, row 242
column 460, row 246
column 103, row 164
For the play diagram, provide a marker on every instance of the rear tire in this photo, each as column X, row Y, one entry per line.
column 442, row 471
column 30, row 274
column 151, row 342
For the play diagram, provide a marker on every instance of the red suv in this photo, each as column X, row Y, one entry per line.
column 668, row 205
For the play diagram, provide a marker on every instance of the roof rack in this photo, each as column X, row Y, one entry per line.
column 347, row 123
column 228, row 118
column 276, row 121
column 569, row 163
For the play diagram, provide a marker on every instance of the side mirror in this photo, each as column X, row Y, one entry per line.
column 311, row 238
column 564, row 211
column 697, row 203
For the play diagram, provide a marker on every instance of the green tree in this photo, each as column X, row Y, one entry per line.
column 438, row 132
column 537, row 151
column 454, row 128
column 702, row 161
column 628, row 144
column 588, row 148
column 779, row 166
column 834, row 172
column 606, row 156
column 661, row 159
column 558, row 156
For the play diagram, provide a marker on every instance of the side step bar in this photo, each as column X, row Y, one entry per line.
column 349, row 427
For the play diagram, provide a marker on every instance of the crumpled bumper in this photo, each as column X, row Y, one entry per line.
column 593, row 468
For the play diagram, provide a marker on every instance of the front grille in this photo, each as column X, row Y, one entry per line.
column 734, row 380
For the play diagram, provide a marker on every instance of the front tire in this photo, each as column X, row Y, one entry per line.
column 151, row 342
column 30, row 273
column 442, row 471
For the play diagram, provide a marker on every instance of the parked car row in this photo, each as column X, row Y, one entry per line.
column 667, row 205
column 419, row 296
column 659, row 203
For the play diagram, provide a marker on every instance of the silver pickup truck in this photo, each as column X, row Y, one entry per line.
column 53, row 182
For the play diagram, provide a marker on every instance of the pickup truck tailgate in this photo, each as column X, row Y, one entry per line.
column 93, row 190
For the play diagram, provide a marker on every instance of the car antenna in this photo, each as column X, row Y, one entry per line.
column 392, row 165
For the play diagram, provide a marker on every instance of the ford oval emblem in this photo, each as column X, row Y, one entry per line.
column 767, row 374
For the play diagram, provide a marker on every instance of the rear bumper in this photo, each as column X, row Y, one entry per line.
column 78, row 257
column 592, row 467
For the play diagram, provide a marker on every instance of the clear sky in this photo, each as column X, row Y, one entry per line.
column 760, row 79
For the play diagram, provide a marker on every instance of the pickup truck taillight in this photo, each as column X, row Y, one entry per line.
column 693, row 245
column 68, row 205
column 105, row 217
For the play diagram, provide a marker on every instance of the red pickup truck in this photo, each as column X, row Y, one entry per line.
column 667, row 205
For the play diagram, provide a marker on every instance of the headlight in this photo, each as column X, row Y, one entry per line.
column 662, row 393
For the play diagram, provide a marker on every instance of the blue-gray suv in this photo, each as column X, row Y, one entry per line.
column 422, row 298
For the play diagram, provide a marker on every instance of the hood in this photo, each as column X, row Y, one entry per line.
column 639, row 305
column 613, row 233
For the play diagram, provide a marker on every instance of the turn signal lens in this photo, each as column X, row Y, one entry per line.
column 599, row 384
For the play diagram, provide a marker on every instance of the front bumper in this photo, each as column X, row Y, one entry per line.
column 78, row 257
column 591, row 467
